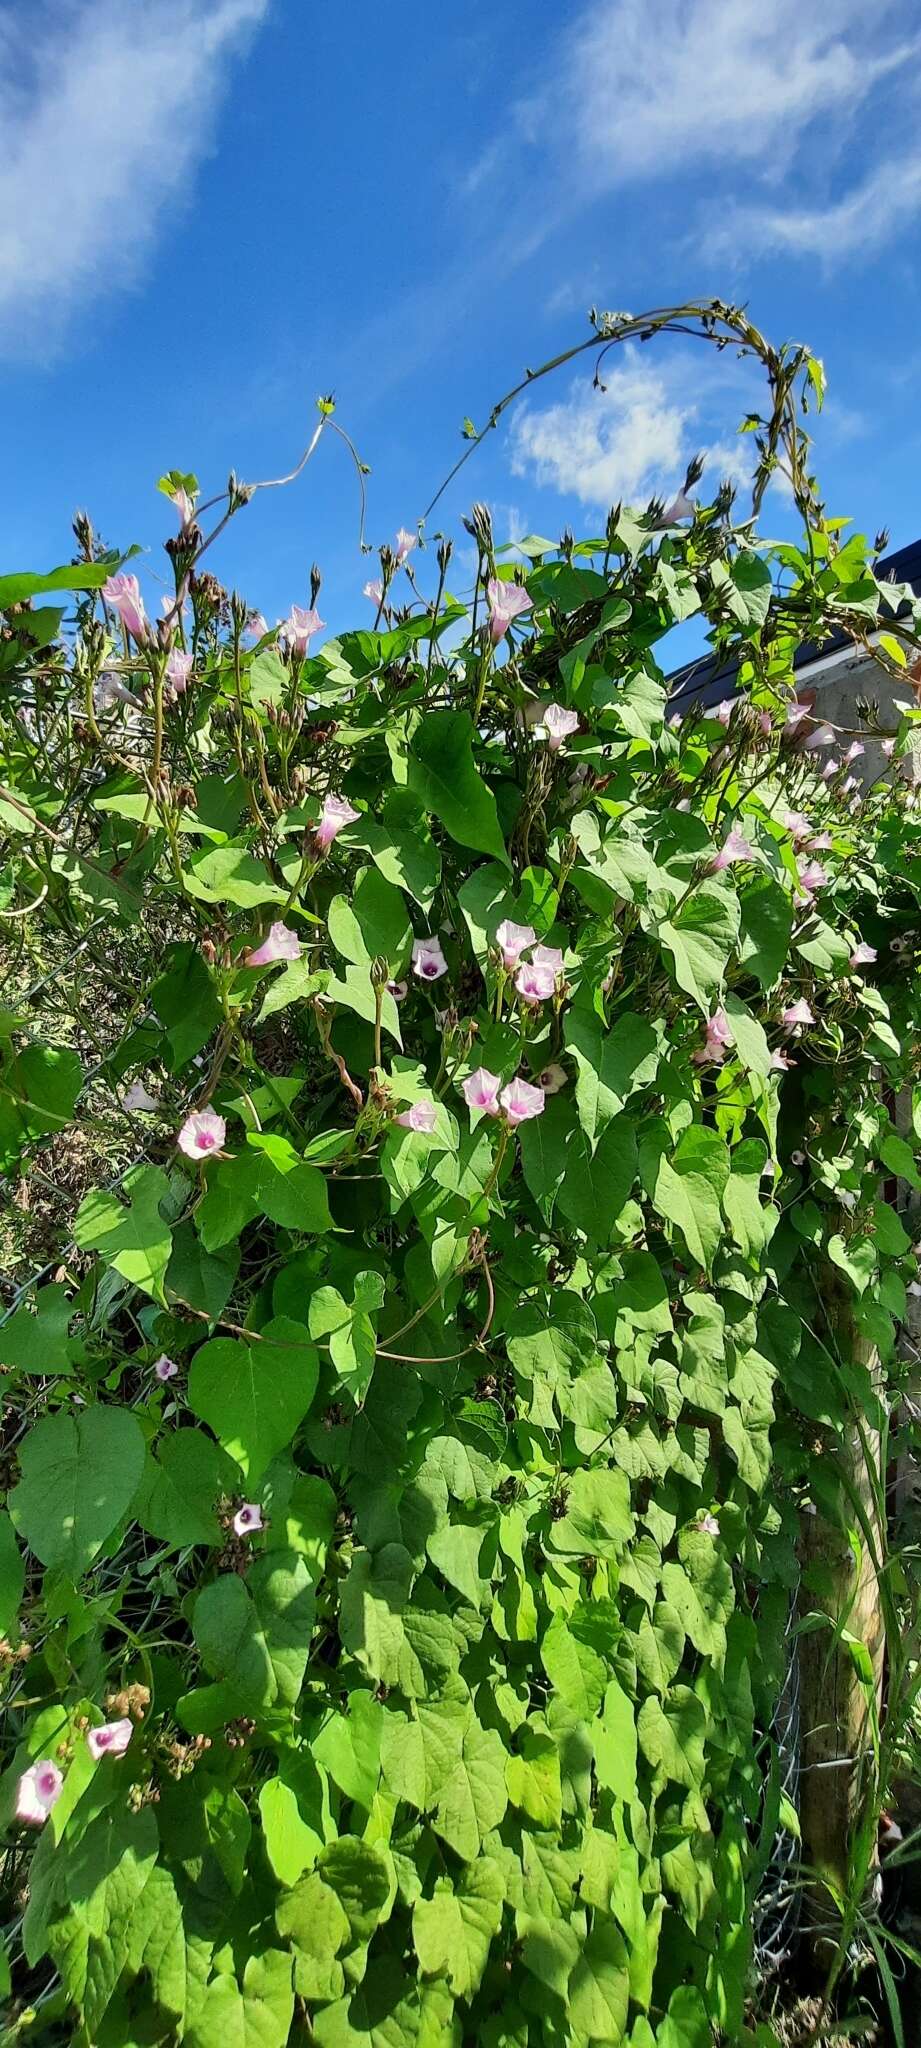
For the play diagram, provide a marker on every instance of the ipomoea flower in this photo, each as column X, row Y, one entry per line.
column 165, row 1368
column 203, row 1132
column 111, row 1739
column 552, row 1079
column 375, row 591
column 405, row 542
column 399, row 990
column 136, row 1096
column 535, row 982
column 428, row 959
column 178, row 670
column 248, row 1519
column 506, row 602
column 724, row 710
column 812, row 876
column 513, row 940
column 796, row 1015
column 735, row 847
column 822, row 737
column 521, row 1101
column 336, row 813
column 38, row 1790
column 707, row 1525
column 256, row 625
column 420, row 1116
column 718, row 1038
column 280, row 943
column 854, row 752
column 300, row 626
column 184, row 506
column 123, row 593
column 796, row 712
column 780, row 1062
column 798, row 825
column 548, row 956
column 682, row 507
column 558, row 723
column 862, row 956
column 481, row 1091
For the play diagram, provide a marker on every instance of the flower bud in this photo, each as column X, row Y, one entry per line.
column 316, row 579
column 380, row 972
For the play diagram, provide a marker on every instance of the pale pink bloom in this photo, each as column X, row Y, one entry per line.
column 675, row 722
column 481, row 1091
column 822, row 737
column 812, row 876
column 203, row 1132
column 830, row 770
column 111, row 690
column 820, row 842
column 766, row 723
column 707, row 1525
column 184, row 506
column 38, row 1790
column 724, row 710
column 257, row 625
column 552, row 1079
column 735, row 847
column 520, row 1101
column 137, row 1097
column 375, row 591
column 682, row 507
column 796, row 1015
column 850, row 782
column 558, row 724
column 405, row 544
column 178, row 670
column 165, row 1368
column 887, row 747
column 534, row 982
column 548, row 956
column 797, row 1158
column 796, row 712
column 854, row 752
column 300, row 626
column 506, row 601
column 111, row 1739
column 684, row 805
column 248, row 1519
column 123, row 593
column 421, row 1116
column 336, row 813
column 280, row 943
column 717, row 1040
column 780, row 1062
column 399, row 990
column 428, row 959
column 863, row 955
column 798, row 825
column 513, row 940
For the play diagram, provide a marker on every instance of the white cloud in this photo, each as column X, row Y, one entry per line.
column 104, row 129
column 630, row 441
column 870, row 212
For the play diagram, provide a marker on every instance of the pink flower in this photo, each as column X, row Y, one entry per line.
column 766, row 723
column 707, row 1525
column 336, row 813
column 548, row 956
column 717, row 1040
column 481, row 1091
column 812, row 876
column 256, row 625
column 136, row 1096
column 830, row 770
column 796, row 1015
column 681, row 507
column 850, row 782
column 111, row 1739
column 798, row 825
column 780, row 1062
column 520, row 1102
column 724, row 710
column 248, row 1519
column 862, row 956
column 375, row 591
column 552, row 1079
column 165, row 1368
column 797, row 1158
column 299, row 628
column 184, row 507
column 39, row 1789
column 535, row 982
column 822, row 737
column 558, row 723
column 735, row 847
column 399, row 990
column 421, row 1116
column 280, row 943
column 203, row 1132
column 513, row 940
column 506, row 601
column 405, row 544
column 854, row 752
column 796, row 712
column 887, row 747
column 178, row 670
column 428, row 959
column 820, row 842
column 123, row 593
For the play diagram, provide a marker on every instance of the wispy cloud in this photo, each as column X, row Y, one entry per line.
column 871, row 212
column 634, row 438
column 105, row 126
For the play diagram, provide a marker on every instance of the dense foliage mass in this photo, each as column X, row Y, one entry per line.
column 406, row 1449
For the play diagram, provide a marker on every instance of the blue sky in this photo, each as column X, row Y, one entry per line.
column 212, row 210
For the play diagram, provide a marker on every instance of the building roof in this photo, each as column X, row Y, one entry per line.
column 712, row 677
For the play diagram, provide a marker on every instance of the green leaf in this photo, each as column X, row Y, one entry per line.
column 597, row 1521
column 107, row 1871
column 291, row 1844
column 38, row 1343
column 856, row 1256
column 318, row 1927
column 453, row 1930
column 442, row 775
column 612, row 1065
column 595, row 1185
column 230, row 874
column 18, row 589
column 197, row 1278
column 282, row 1186
column 700, row 937
column 357, row 1873
column 257, row 2016
column 254, row 1395
column 133, row 1239
column 532, row 1775
column 255, row 1637
column 185, row 999
column 38, row 1093
column 402, row 847
column 689, row 1189
column 80, row 1474
column 671, row 1735
column 349, row 1330
column 371, row 923
column 182, row 1488
column 599, row 1988
column 574, row 1669
column 12, row 1578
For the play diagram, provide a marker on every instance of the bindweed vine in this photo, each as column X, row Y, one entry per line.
column 407, row 1456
